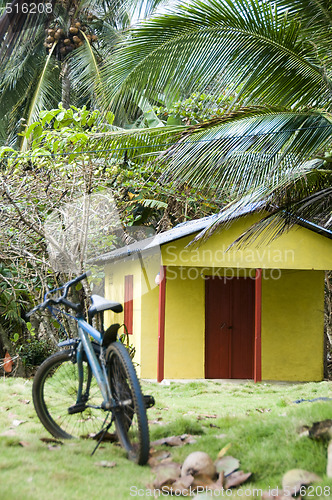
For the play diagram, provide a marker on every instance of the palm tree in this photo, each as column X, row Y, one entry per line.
column 57, row 55
column 272, row 146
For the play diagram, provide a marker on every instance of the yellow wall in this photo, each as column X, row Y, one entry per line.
column 184, row 326
column 293, row 326
column 114, row 290
column 149, row 319
column 299, row 248
column 145, row 306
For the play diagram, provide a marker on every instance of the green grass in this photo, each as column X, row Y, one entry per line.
column 259, row 420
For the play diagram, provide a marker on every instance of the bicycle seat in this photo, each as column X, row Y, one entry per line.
column 100, row 304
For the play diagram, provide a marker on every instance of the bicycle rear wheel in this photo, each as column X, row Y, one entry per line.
column 130, row 414
column 54, row 392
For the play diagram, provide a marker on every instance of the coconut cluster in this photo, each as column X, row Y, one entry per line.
column 67, row 41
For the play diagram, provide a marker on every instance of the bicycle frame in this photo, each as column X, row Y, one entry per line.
column 84, row 332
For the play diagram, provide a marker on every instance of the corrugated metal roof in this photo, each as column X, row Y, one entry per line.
column 190, row 227
column 180, row 231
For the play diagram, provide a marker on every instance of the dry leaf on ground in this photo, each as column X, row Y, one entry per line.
column 204, row 481
column 227, row 464
column 236, row 478
column 321, row 430
column 166, row 474
column 224, row 450
column 16, row 423
column 175, row 440
column 109, row 437
column 180, row 486
column 158, row 456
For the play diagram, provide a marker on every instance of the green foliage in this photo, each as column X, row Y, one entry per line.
column 273, row 68
column 34, row 351
column 14, row 298
column 197, row 108
column 124, row 339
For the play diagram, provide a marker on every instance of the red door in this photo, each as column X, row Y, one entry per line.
column 229, row 327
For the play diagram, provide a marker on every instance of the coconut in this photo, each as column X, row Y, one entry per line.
column 51, row 32
column 67, row 41
column 50, row 39
column 76, row 39
column 198, row 462
column 63, row 50
column 77, row 25
column 73, row 30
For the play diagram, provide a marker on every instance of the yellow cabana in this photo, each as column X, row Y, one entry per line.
column 208, row 312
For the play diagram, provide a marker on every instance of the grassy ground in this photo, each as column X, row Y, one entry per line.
column 261, row 422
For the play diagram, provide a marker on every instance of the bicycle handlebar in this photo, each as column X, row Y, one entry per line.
column 63, row 299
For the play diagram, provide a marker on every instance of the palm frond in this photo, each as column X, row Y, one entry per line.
column 317, row 206
column 312, row 12
column 18, row 27
column 139, row 144
column 152, row 203
column 85, row 73
column 316, row 21
column 243, row 46
column 43, row 95
column 236, row 156
column 304, row 197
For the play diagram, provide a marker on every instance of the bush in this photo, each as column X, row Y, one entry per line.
column 34, row 352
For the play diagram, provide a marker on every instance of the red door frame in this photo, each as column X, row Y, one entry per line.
column 161, row 324
column 258, row 327
column 128, row 302
column 228, row 308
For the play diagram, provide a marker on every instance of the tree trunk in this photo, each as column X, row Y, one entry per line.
column 65, row 86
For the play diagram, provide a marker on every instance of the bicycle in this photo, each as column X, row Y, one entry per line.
column 74, row 386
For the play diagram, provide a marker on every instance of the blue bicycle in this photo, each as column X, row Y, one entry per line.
column 81, row 390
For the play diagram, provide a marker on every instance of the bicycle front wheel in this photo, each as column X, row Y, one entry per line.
column 130, row 413
column 54, row 391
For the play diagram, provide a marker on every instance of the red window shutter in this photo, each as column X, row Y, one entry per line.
column 128, row 302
